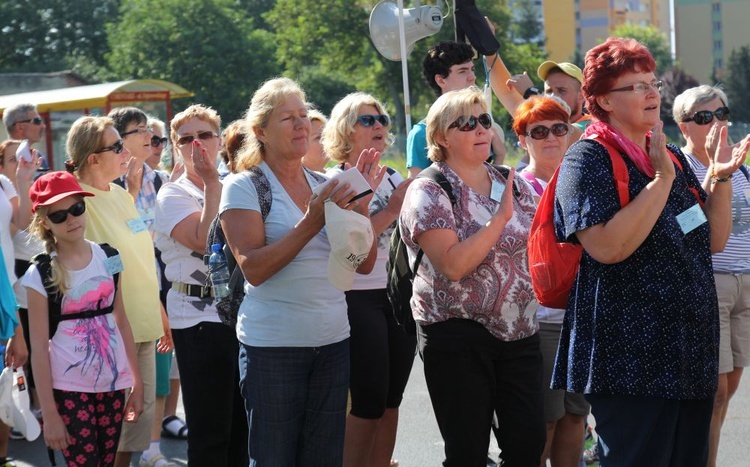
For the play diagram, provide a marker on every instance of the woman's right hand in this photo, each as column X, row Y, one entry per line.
column 505, row 211
column 55, row 434
column 657, row 151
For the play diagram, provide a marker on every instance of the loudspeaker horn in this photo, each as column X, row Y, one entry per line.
column 419, row 22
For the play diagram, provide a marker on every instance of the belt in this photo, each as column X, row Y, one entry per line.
column 193, row 290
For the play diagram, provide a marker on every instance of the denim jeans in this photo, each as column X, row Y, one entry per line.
column 295, row 398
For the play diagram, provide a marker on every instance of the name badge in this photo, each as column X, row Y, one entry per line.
column 136, row 225
column 746, row 194
column 497, row 190
column 114, row 264
column 691, row 218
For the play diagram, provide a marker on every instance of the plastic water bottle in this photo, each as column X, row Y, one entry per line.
column 217, row 268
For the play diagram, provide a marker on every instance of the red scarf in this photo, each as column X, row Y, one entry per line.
column 616, row 139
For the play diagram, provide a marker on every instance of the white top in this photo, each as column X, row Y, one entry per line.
column 86, row 355
column 175, row 202
column 297, row 306
column 6, row 215
column 378, row 278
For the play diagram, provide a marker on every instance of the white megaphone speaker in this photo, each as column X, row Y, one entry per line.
column 419, row 22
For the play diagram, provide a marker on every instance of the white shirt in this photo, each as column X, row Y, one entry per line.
column 297, row 306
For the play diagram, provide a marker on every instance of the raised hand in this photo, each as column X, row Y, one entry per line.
column 657, row 151
column 202, row 163
column 724, row 158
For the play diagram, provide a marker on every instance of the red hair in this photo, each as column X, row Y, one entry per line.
column 538, row 108
column 608, row 61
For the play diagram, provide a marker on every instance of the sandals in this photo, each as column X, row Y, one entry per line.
column 174, row 427
column 157, row 461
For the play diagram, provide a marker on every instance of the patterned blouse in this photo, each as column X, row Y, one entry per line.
column 498, row 292
column 648, row 325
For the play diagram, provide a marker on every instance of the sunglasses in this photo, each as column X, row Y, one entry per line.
column 369, row 120
column 470, row 123
column 58, row 217
column 156, row 141
column 541, row 132
column 36, row 121
column 140, row 130
column 116, row 148
column 202, row 135
column 704, row 117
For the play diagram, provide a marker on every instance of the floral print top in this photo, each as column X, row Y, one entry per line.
column 498, row 292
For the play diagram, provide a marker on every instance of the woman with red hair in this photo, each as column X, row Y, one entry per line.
column 542, row 124
column 640, row 333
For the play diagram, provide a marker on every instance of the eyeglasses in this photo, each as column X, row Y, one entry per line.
column 541, row 132
column 58, row 217
column 156, row 141
column 641, row 88
column 369, row 120
column 116, row 148
column 140, row 130
column 36, row 121
column 202, row 135
column 470, row 123
column 704, row 117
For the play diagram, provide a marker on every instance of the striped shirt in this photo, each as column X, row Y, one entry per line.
column 735, row 259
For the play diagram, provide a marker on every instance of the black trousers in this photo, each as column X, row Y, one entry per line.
column 470, row 374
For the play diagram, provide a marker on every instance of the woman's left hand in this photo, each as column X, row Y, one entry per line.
column 724, row 158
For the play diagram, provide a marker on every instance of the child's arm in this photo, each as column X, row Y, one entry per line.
column 55, row 433
column 134, row 404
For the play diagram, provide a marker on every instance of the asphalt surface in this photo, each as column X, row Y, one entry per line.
column 419, row 442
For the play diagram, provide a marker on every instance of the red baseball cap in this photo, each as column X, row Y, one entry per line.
column 54, row 186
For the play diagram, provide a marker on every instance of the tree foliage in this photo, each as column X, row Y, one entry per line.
column 737, row 83
column 208, row 46
column 527, row 28
column 52, row 35
column 655, row 40
column 676, row 81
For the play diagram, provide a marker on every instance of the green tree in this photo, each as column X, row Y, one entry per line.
column 527, row 28
column 208, row 46
column 655, row 40
column 51, row 35
column 737, row 81
column 676, row 81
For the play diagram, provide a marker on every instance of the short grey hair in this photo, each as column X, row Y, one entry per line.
column 16, row 112
column 685, row 103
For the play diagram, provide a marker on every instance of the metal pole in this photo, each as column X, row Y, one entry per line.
column 404, row 68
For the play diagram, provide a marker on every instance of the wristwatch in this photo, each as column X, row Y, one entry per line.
column 532, row 91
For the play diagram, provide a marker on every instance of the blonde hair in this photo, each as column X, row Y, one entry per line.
column 316, row 115
column 268, row 96
column 85, row 137
column 338, row 131
column 206, row 114
column 446, row 110
column 59, row 273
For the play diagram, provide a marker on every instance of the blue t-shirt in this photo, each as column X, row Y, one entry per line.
column 416, row 147
column 648, row 325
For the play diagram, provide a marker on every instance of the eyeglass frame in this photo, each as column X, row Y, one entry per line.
column 464, row 123
column 657, row 85
column 117, row 148
column 547, row 130
column 38, row 121
column 712, row 115
column 57, row 220
column 187, row 141
column 140, row 130
column 368, row 120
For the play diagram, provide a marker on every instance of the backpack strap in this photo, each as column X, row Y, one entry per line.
column 120, row 181
column 743, row 169
column 620, row 171
column 43, row 264
column 157, row 181
column 436, row 176
column 263, row 188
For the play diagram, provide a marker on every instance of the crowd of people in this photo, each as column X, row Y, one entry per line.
column 106, row 274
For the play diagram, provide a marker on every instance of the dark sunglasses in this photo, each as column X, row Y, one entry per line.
column 58, row 217
column 202, row 135
column 470, row 123
column 36, row 121
column 541, row 132
column 369, row 120
column 704, row 117
column 116, row 148
column 156, row 141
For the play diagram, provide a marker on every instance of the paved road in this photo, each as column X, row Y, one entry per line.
column 419, row 443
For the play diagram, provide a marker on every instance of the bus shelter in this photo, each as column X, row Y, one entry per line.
column 61, row 107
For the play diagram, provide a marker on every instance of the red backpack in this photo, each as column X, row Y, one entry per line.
column 553, row 265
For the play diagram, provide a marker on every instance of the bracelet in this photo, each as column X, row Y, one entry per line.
column 716, row 179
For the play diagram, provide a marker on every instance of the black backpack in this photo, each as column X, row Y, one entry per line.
column 400, row 274
column 54, row 297
column 228, row 307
